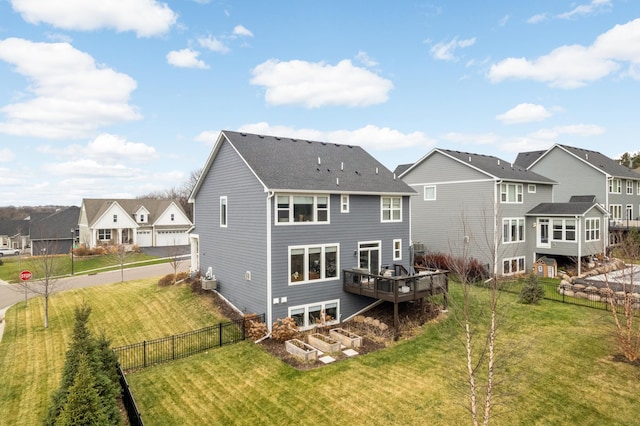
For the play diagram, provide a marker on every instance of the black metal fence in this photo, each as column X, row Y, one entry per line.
column 151, row 352
column 135, row 418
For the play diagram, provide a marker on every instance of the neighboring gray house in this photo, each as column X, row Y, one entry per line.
column 277, row 220
column 582, row 171
column 146, row 222
column 54, row 233
column 14, row 233
column 486, row 208
column 575, row 229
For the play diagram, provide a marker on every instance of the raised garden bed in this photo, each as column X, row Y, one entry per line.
column 347, row 338
column 301, row 350
column 324, row 343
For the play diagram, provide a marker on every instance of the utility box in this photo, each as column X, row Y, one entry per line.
column 209, row 284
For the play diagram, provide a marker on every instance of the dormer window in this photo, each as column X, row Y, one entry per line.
column 141, row 218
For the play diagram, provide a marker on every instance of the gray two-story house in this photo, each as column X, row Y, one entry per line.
column 500, row 214
column 277, row 220
column 581, row 171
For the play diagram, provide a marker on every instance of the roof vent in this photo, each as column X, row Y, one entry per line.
column 337, row 181
column 376, row 170
column 498, row 161
column 319, row 162
column 586, row 156
column 394, row 176
column 342, row 165
column 469, row 158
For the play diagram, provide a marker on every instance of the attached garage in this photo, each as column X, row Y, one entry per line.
column 143, row 238
column 171, row 238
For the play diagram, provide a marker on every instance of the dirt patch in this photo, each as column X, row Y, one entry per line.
column 375, row 327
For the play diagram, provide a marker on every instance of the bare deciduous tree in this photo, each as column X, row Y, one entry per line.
column 175, row 260
column 46, row 267
column 624, row 299
column 120, row 254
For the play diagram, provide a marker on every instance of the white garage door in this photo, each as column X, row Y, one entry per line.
column 143, row 238
column 172, row 238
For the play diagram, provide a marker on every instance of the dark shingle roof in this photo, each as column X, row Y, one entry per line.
column 13, row 227
column 400, row 169
column 561, row 209
column 525, row 159
column 582, row 199
column 602, row 162
column 56, row 225
column 497, row 167
column 596, row 159
column 301, row 165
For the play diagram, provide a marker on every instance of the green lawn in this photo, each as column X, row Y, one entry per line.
column 32, row 356
column 556, row 368
column 12, row 265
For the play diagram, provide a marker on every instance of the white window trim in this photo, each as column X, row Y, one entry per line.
column 505, row 192
column 291, row 221
column 611, row 186
column 391, row 210
column 224, row 202
column 564, row 230
column 425, row 193
column 629, row 187
column 344, row 203
column 323, row 305
column 638, row 188
column 305, row 269
column 615, row 207
column 397, row 253
column 531, row 188
column 590, row 229
column 510, row 220
column 518, row 270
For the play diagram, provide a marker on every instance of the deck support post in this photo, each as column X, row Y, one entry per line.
column 396, row 320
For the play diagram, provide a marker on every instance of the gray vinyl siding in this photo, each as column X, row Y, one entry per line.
column 464, row 206
column 574, row 177
column 625, row 199
column 242, row 245
column 542, row 194
column 362, row 223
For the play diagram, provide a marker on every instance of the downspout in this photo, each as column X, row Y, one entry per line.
column 269, row 318
column 495, row 226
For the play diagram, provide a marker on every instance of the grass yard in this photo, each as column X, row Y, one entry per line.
column 12, row 265
column 32, row 357
column 556, row 368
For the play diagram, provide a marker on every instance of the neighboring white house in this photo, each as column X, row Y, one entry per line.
column 145, row 222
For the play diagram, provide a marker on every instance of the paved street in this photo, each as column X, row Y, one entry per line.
column 11, row 294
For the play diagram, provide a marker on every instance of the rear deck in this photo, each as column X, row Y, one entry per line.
column 396, row 286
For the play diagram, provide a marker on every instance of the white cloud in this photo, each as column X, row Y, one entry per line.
column 536, row 19
column 239, row 30
column 6, row 155
column 554, row 133
column 524, row 113
column 90, row 168
column 592, row 8
column 502, row 22
column 318, row 84
column 213, row 44
column 575, row 65
column 107, row 146
column 145, row 17
column 446, row 51
column 364, row 59
column 208, row 137
column 370, row 137
column 71, row 95
column 185, row 58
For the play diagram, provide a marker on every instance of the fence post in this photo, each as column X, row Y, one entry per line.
column 144, row 352
column 244, row 337
column 220, row 334
column 173, row 346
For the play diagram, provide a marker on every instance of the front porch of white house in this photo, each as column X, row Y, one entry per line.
column 114, row 236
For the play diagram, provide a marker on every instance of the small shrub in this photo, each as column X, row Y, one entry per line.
column 532, row 292
column 165, row 281
column 284, row 329
column 1, row 262
column 255, row 328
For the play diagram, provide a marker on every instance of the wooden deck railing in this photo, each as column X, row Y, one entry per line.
column 396, row 288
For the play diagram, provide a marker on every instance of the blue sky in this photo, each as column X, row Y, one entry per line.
column 118, row 99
